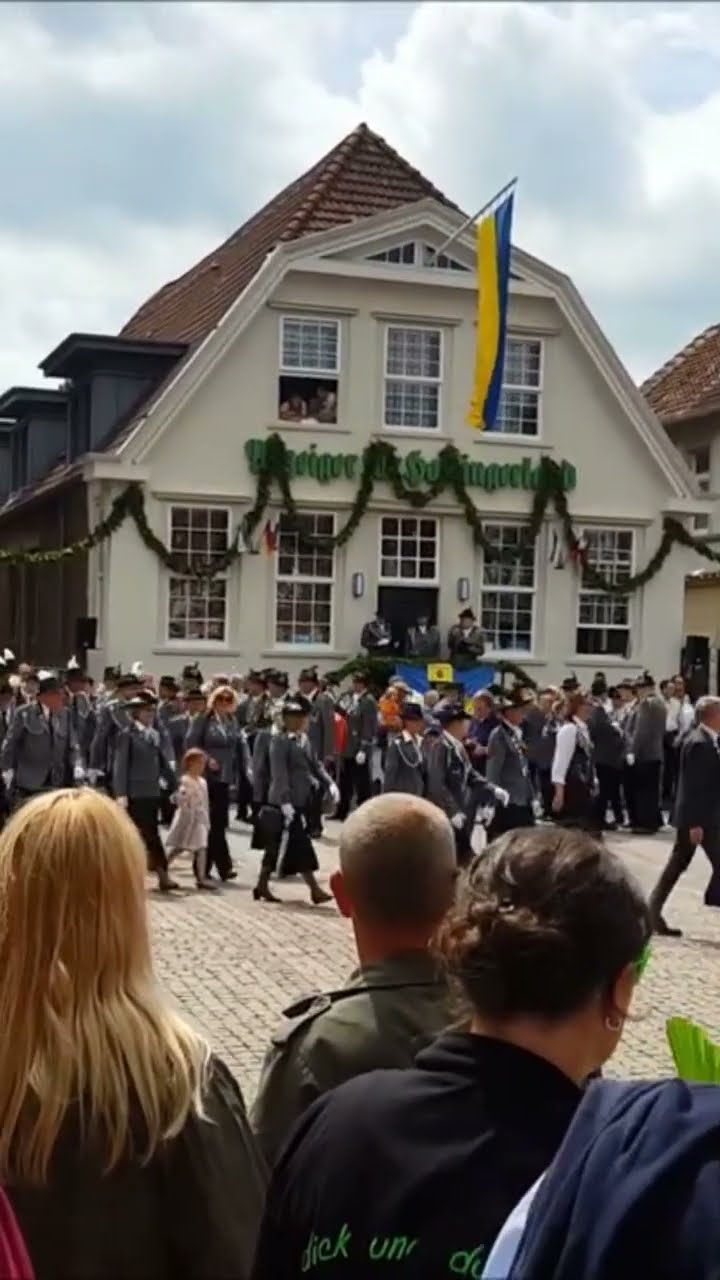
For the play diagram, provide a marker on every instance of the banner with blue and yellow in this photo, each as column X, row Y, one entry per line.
column 493, row 269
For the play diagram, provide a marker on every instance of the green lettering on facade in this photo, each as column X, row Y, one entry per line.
column 415, row 469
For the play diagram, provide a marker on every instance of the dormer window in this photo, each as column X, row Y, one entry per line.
column 417, row 254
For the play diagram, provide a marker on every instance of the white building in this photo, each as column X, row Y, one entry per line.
column 333, row 291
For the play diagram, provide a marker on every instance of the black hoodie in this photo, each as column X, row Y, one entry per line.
column 418, row 1167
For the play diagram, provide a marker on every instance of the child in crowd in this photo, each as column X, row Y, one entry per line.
column 191, row 824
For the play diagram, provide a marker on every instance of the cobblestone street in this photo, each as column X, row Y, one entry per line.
column 233, row 964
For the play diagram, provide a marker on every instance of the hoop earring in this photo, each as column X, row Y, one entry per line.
column 614, row 1023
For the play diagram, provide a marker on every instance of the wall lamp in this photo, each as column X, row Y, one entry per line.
column 358, row 585
column 463, row 590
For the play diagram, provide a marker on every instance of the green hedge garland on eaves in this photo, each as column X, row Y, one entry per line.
column 380, row 464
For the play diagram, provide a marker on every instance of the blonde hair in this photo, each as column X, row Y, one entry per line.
column 223, row 692
column 83, row 1023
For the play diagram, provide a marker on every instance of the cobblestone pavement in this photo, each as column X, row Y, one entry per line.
column 233, row 964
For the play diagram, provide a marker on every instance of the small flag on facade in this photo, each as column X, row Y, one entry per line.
column 271, row 535
column 493, row 272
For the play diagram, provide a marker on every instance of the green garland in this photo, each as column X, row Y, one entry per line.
column 380, row 670
column 380, row 464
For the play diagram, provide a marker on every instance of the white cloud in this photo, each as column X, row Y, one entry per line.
column 148, row 132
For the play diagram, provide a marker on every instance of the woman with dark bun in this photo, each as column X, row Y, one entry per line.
column 423, row 1166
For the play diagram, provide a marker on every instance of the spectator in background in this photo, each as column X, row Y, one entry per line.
column 546, row 944
column 124, row 1144
column 609, row 756
column 484, row 720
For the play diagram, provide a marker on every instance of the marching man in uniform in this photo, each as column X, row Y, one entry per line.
column 321, row 732
column 453, row 785
column 405, row 760
column 41, row 751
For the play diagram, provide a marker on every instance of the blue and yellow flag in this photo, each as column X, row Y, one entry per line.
column 493, row 268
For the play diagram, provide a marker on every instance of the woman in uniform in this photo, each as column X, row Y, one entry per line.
column 140, row 765
column 405, row 759
column 573, row 768
column 217, row 733
column 294, row 773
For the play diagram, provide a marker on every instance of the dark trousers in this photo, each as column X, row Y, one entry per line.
column 508, row 818
column 646, row 777
column 354, row 781
column 244, row 799
column 314, row 814
column 629, row 788
column 609, row 793
column 167, row 809
column 683, row 852
column 144, row 812
column 218, row 854
column 670, row 770
column 547, row 791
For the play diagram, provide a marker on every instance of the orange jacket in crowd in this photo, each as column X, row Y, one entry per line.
column 341, row 734
column 389, row 708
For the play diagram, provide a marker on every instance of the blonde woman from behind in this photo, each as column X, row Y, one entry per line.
column 124, row 1144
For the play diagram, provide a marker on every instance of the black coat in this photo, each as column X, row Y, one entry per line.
column 697, row 802
column 418, row 1167
column 191, row 1213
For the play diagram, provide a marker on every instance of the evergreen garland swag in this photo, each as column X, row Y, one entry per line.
column 380, row 464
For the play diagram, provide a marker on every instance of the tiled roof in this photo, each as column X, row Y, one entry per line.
column 361, row 176
column 687, row 385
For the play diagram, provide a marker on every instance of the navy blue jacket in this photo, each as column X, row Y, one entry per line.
column 634, row 1190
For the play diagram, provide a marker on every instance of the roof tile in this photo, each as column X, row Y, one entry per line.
column 688, row 384
column 360, row 177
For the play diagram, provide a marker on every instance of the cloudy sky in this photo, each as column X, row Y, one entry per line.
column 135, row 136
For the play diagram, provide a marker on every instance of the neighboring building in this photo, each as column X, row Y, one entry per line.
column 685, row 395
column 330, row 318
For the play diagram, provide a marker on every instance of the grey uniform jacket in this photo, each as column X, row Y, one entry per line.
column 405, row 767
column 139, row 762
column 321, row 729
column 648, row 737
column 452, row 783
column 111, row 719
column 220, row 737
column 295, row 771
column 83, row 718
column 507, row 766
column 261, row 765
column 362, row 725
column 42, row 752
column 423, row 644
column 384, row 1015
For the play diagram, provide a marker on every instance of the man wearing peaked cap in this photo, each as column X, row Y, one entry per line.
column 570, row 684
column 646, row 748
column 452, row 783
column 507, row 763
column 111, row 718
column 140, row 768
column 172, row 725
column 321, row 731
column 41, row 751
column 82, row 712
column 405, row 765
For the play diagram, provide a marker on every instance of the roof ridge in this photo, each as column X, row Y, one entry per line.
column 676, row 361
column 334, row 162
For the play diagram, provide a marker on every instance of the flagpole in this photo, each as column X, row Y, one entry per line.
column 474, row 217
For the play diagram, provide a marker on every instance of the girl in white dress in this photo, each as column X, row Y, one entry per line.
column 191, row 824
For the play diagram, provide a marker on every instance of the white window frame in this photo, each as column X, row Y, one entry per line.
column 532, row 591
column 584, row 532
column 310, row 646
column 189, row 643
column 524, row 388
column 302, row 371
column 434, row 382
column 397, row 581
column 422, row 251
column 701, row 524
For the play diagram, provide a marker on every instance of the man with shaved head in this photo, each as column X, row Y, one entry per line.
column 395, row 882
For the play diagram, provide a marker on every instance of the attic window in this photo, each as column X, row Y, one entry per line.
column 417, row 254
column 309, row 369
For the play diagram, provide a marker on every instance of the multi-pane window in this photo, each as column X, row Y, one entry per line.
column 197, row 607
column 699, row 462
column 408, row 549
column 507, row 602
column 309, row 369
column 304, row 581
column 604, row 620
column 519, row 409
column 413, row 376
column 416, row 254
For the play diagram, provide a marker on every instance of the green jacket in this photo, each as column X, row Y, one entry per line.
column 382, row 1017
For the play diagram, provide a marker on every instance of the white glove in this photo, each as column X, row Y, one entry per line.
column 537, row 808
column 288, row 813
column 502, row 796
column 360, row 758
column 487, row 813
column 122, row 801
column 334, row 793
column 630, row 759
column 93, row 776
column 458, row 821
column 174, row 798
column 79, row 773
column 8, row 775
